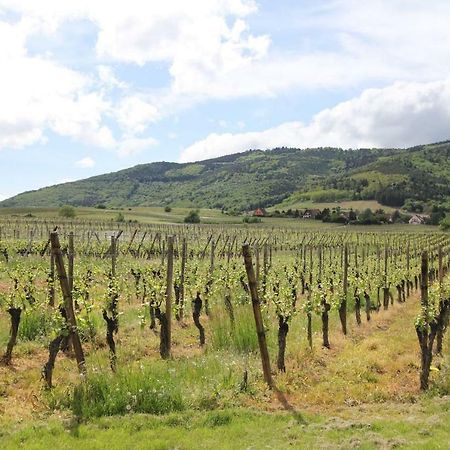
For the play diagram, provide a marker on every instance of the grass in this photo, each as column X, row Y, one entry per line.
column 427, row 427
column 159, row 387
column 34, row 324
column 140, row 214
column 346, row 205
column 241, row 337
column 157, row 215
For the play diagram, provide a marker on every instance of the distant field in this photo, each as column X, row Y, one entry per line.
column 155, row 215
column 141, row 214
column 359, row 205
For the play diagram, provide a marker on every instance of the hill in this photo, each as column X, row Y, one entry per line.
column 255, row 178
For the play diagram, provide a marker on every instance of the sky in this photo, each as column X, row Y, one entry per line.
column 92, row 86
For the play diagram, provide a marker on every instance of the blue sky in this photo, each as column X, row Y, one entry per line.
column 88, row 87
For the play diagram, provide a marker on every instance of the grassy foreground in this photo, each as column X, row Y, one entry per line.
column 385, row 426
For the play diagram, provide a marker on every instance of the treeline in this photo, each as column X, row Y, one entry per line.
column 366, row 217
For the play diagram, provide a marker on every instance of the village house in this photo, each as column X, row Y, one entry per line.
column 416, row 220
column 310, row 213
column 259, row 212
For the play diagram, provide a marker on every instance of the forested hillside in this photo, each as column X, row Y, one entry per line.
column 264, row 178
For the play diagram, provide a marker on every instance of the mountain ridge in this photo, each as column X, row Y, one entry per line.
column 254, row 178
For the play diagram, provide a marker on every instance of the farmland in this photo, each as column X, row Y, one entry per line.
column 170, row 353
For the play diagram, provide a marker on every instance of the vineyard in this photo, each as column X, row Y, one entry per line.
column 101, row 319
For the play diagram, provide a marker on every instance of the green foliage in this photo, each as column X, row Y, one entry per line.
column 167, row 209
column 323, row 195
column 192, row 217
column 251, row 219
column 120, row 217
column 67, row 211
column 445, row 222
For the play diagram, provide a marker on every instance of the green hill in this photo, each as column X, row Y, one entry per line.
column 265, row 178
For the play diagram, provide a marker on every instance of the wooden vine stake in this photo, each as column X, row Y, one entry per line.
column 70, row 258
column 343, row 304
column 257, row 314
column 180, row 297
column 51, row 277
column 166, row 318
column 68, row 302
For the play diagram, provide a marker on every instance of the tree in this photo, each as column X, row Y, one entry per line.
column 167, row 209
column 396, row 216
column 352, row 215
column 445, row 222
column 67, row 211
column 192, row 217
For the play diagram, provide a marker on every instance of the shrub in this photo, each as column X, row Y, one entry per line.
column 192, row 217
column 445, row 222
column 67, row 211
column 120, row 217
column 167, row 209
column 250, row 219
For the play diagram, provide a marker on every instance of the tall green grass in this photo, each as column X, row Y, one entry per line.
column 34, row 324
column 128, row 391
column 241, row 338
column 159, row 387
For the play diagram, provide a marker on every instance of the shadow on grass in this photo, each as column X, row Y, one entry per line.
column 288, row 407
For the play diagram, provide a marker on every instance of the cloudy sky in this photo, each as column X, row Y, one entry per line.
column 92, row 86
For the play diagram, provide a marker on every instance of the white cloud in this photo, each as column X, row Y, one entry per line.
column 3, row 197
column 133, row 146
column 210, row 52
column 38, row 94
column 135, row 114
column 85, row 163
column 401, row 115
column 202, row 42
column 108, row 79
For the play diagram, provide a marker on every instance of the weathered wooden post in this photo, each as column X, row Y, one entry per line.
column 180, row 309
column 258, row 316
column 343, row 304
column 70, row 257
column 68, row 302
column 385, row 287
column 166, row 334
column 408, row 269
column 52, row 280
column 113, row 255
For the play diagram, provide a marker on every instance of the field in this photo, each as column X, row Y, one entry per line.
column 356, row 205
column 157, row 215
column 330, row 390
